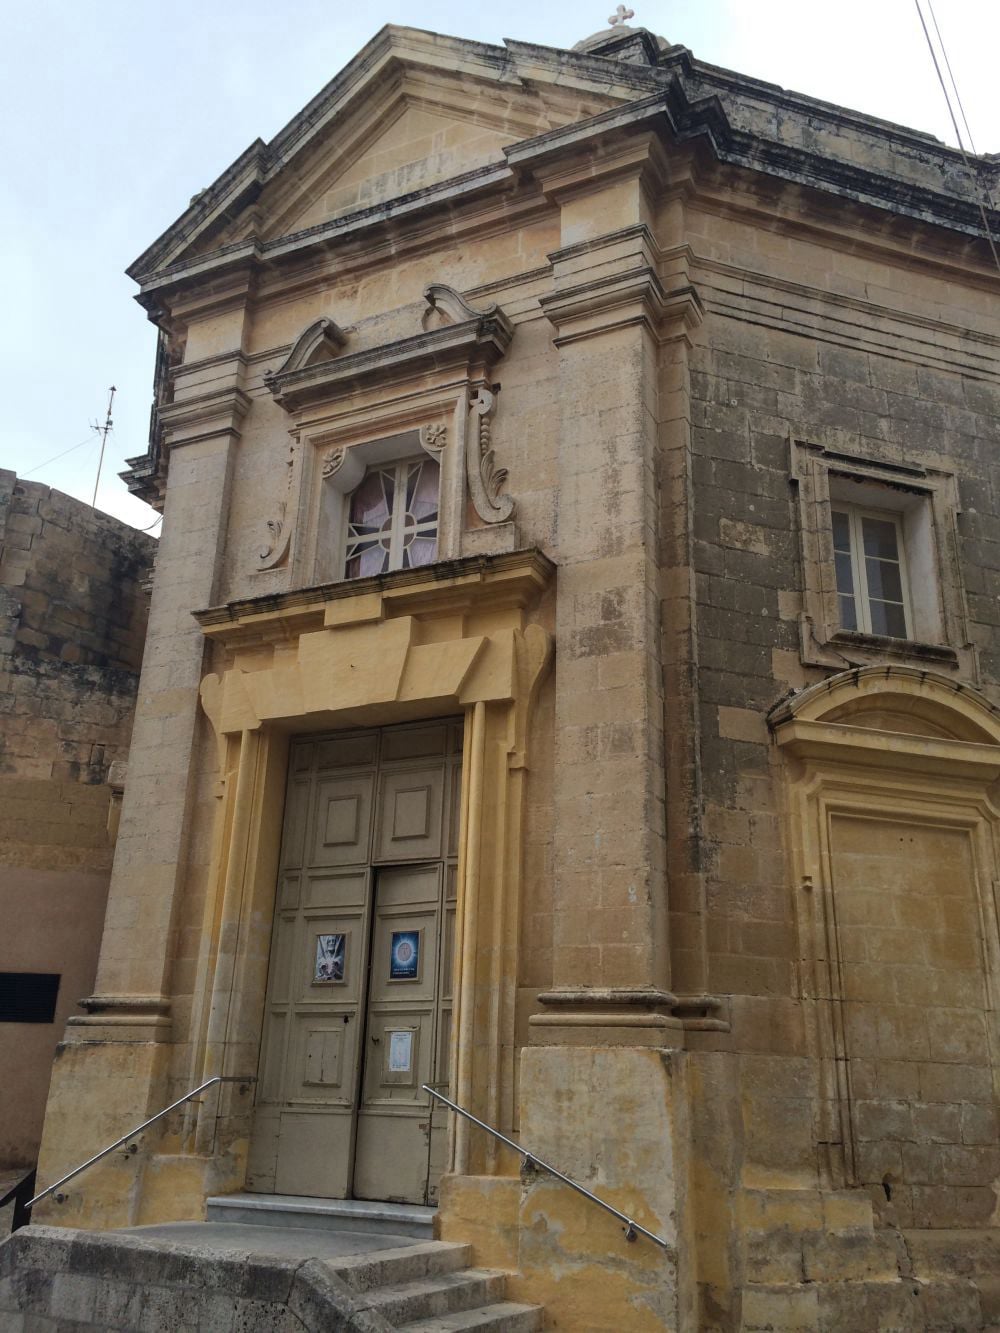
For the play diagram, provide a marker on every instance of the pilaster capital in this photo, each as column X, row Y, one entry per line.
column 204, row 416
column 613, row 301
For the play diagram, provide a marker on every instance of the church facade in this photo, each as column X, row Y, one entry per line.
column 571, row 683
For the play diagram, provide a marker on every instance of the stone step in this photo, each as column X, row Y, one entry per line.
column 444, row 1294
column 504, row 1317
column 292, row 1210
column 368, row 1271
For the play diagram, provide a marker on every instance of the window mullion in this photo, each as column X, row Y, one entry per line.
column 860, row 573
column 398, row 516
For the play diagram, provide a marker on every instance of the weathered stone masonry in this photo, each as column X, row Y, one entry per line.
column 72, row 626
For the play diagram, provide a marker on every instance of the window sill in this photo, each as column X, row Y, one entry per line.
column 847, row 648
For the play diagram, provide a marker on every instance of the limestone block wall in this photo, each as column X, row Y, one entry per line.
column 72, row 623
column 822, row 347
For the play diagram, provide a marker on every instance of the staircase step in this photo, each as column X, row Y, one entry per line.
column 445, row 1294
column 505, row 1317
column 364, row 1272
column 293, row 1210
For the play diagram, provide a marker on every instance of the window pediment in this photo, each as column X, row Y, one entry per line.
column 892, row 717
column 478, row 338
column 319, row 343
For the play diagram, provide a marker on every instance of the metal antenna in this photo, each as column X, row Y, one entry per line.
column 104, row 439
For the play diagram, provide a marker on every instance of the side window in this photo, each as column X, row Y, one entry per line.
column 881, row 576
column 392, row 518
column 872, row 589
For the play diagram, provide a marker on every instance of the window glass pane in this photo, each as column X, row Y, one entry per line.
column 841, row 532
column 845, row 573
column 884, row 580
column 888, row 618
column 370, row 506
column 371, row 560
column 422, row 551
column 879, row 536
column 373, row 515
column 848, row 613
column 422, row 490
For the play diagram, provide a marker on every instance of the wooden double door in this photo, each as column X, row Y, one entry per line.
column 359, row 994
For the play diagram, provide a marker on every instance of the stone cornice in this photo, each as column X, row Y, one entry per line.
column 204, row 416
column 620, row 299
column 485, row 338
column 730, row 113
column 472, row 583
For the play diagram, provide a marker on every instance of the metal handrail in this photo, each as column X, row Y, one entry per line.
column 219, row 1078
column 631, row 1228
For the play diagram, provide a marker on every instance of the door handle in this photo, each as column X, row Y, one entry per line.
column 375, row 1039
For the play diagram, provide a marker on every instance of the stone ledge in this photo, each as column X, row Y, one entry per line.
column 122, row 1281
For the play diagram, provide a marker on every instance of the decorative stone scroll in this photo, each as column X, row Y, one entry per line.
column 446, row 306
column 486, row 480
column 274, row 552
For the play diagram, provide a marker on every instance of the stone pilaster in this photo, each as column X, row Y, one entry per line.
column 603, row 1092
column 122, row 1041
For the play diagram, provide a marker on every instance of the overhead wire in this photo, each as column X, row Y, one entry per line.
column 973, row 176
column 89, row 440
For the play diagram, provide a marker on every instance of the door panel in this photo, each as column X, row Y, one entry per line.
column 410, row 809
column 341, row 824
column 392, row 1145
column 357, row 1013
column 319, row 948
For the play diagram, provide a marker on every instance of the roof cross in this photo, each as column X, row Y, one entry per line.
column 621, row 15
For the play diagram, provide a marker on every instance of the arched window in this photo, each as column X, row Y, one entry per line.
column 392, row 520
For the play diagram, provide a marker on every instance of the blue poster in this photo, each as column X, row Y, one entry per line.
column 404, row 958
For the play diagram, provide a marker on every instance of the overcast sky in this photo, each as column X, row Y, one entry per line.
column 115, row 112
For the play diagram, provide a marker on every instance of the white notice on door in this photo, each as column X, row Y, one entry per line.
column 400, row 1052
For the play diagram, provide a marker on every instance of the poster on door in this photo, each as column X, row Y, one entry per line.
column 331, row 953
column 400, row 1051
column 404, row 955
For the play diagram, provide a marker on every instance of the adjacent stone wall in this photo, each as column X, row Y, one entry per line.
column 72, row 624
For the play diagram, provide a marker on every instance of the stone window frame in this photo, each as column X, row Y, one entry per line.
column 348, row 409
column 927, row 502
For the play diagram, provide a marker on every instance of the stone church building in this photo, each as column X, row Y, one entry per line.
column 572, row 682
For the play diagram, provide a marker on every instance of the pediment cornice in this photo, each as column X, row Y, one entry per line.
column 483, row 338
column 741, row 121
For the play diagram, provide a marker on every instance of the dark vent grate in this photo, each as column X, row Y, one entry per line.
column 28, row 997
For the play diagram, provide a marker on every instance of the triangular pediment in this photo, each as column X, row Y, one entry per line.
column 411, row 111
column 413, row 147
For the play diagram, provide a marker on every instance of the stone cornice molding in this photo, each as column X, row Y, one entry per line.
column 471, row 583
column 620, row 299
column 685, row 98
column 606, row 1016
column 482, row 339
column 147, row 1015
column 205, row 416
